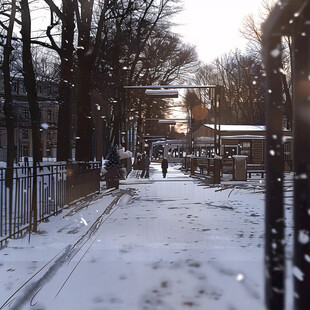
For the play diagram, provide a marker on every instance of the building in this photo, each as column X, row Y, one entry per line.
column 48, row 103
column 246, row 140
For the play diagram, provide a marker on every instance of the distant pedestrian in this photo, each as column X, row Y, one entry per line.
column 147, row 162
column 143, row 166
column 164, row 167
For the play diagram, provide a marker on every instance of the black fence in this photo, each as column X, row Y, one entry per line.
column 83, row 178
column 57, row 185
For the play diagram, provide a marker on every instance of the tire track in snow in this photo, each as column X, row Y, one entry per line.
column 32, row 289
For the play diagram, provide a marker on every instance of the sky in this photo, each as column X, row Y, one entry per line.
column 213, row 25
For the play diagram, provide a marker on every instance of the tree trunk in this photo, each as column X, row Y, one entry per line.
column 64, row 132
column 8, row 104
column 85, row 127
column 9, row 113
column 139, row 128
column 30, row 81
column 288, row 102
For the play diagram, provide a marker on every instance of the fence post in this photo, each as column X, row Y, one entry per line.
column 34, row 207
column 217, row 171
column 192, row 162
column 218, row 94
column 301, row 98
column 274, row 209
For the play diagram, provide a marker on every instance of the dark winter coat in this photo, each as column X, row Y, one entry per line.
column 147, row 162
column 164, row 165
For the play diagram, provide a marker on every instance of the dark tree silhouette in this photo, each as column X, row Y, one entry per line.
column 30, row 81
column 8, row 104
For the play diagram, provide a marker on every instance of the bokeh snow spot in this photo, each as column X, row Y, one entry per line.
column 298, row 273
column 240, row 277
column 303, row 237
column 307, row 258
column 275, row 52
column 44, row 126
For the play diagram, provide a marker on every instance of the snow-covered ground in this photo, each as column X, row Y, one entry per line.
column 163, row 244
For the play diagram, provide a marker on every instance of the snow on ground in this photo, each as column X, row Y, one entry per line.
column 175, row 244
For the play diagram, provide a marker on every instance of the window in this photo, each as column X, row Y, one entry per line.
column 25, row 150
column 25, row 113
column 25, row 134
column 210, row 151
column 246, row 149
column 49, row 115
column 49, row 136
column 230, row 151
column 24, row 89
column 287, row 150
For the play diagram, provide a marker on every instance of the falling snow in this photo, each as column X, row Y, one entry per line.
column 44, row 126
column 298, row 273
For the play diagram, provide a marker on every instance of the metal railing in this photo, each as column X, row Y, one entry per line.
column 204, row 166
column 57, row 185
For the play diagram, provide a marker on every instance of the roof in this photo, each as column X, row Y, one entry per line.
column 238, row 127
column 205, row 139
column 176, row 141
column 244, row 137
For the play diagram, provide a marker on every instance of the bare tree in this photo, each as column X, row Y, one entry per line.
column 88, row 46
column 251, row 30
column 140, row 49
column 241, row 76
column 30, row 83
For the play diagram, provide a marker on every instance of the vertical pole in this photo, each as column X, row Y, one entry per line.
column 18, row 137
column 34, row 210
column 192, row 148
column 301, row 97
column 217, row 120
column 99, row 136
column 274, row 209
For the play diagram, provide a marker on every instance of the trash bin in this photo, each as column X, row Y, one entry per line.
column 239, row 167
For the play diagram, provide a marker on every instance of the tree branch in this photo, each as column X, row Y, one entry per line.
column 55, row 9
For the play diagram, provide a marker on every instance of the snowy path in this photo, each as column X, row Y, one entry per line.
column 178, row 245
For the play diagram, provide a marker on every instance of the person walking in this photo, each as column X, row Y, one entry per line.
column 164, row 167
column 142, row 166
column 147, row 162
